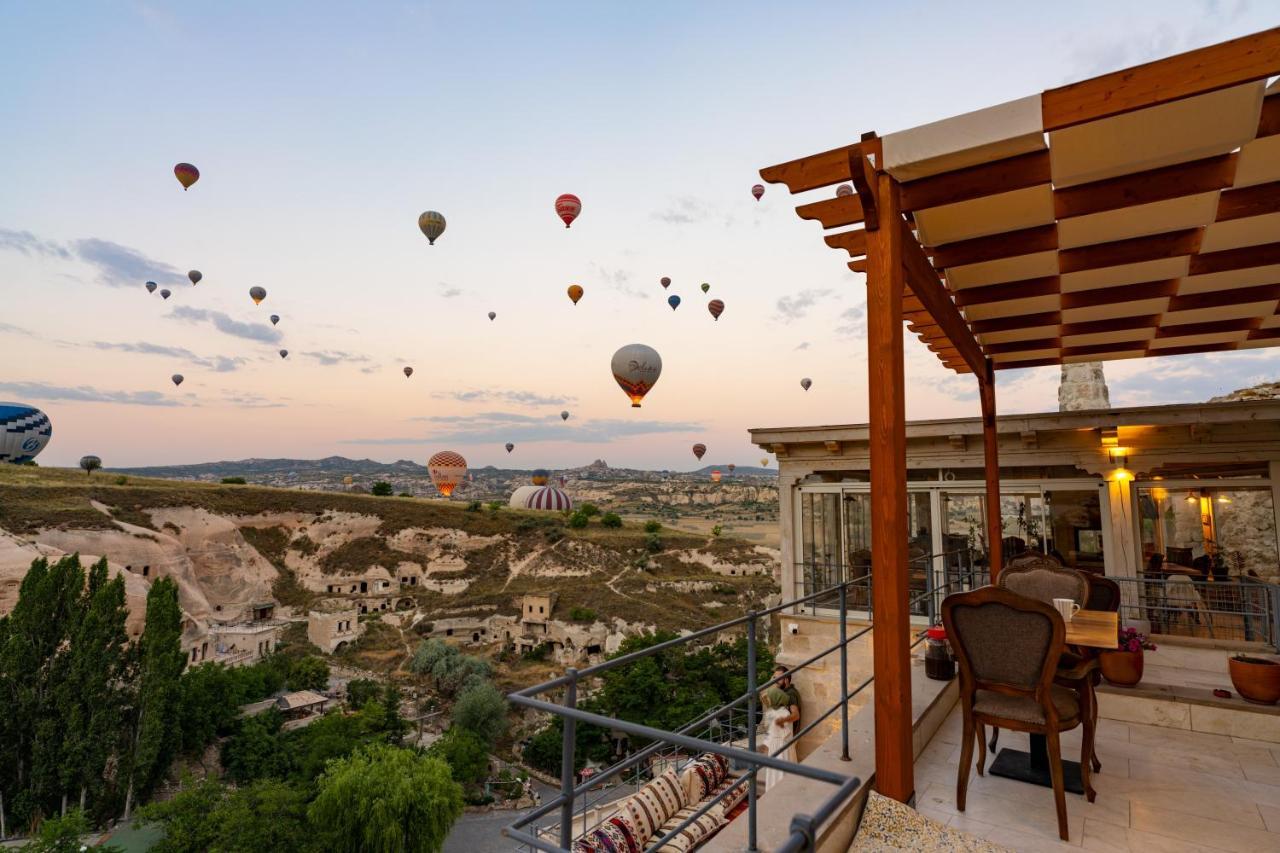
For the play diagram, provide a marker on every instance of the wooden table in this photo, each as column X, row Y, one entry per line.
column 1098, row 629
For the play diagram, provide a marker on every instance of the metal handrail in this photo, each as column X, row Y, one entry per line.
column 803, row 828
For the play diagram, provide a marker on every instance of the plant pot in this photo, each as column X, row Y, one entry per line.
column 1257, row 680
column 1123, row 669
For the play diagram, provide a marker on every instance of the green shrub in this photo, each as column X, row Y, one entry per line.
column 582, row 614
column 233, row 481
column 553, row 536
column 652, row 543
column 473, row 506
column 611, row 519
column 578, row 520
column 652, row 526
column 494, row 506
column 717, row 530
column 404, row 495
column 382, row 489
column 309, row 673
column 122, row 480
column 589, row 510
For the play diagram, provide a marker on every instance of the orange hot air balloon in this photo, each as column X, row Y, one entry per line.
column 186, row 175
column 757, row 191
column 716, row 307
column 447, row 469
column 715, row 476
column 699, row 450
column 568, row 206
column 575, row 293
column 764, row 461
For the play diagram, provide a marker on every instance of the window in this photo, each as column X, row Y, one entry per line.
column 1221, row 530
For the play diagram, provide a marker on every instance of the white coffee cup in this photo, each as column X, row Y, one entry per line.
column 1066, row 607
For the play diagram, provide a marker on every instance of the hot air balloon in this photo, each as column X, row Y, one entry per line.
column 510, row 447
column 493, row 315
column 165, row 293
column 257, row 294
column 177, row 378
column 705, row 287
column 24, row 432
column 568, row 206
column 757, row 191
column 548, row 498
column 520, row 495
column 764, row 462
column 195, row 276
column 151, row 287
column 715, row 476
column 673, row 301
column 805, row 383
column 636, row 369
column 564, row 416
column 408, row 371
column 539, row 477
column 284, row 353
column 665, row 282
column 275, row 318
column 731, row 467
column 186, row 175
column 432, row 225
column 447, row 470
column 716, row 307
column 90, row 464
column 699, row 450
column 348, row 480
column 843, row 190
column 575, row 293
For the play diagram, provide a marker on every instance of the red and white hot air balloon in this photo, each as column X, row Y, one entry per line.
column 716, row 475
column 447, row 469
column 757, row 191
column 844, row 190
column 568, row 206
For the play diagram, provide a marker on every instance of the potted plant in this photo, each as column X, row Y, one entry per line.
column 1256, row 679
column 1123, row 667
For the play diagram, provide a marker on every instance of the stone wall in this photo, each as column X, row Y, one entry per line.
column 1083, row 386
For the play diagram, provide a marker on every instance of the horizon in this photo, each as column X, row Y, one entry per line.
column 321, row 135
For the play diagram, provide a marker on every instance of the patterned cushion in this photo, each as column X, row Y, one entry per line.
column 613, row 836
column 693, row 834
column 734, row 797
column 703, row 775
column 1044, row 583
column 650, row 807
column 1024, row 709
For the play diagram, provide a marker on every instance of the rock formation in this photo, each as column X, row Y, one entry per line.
column 1083, row 386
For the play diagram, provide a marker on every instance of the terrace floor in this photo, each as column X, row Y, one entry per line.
column 1160, row 789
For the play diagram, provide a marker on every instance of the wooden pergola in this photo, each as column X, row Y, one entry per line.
column 1136, row 214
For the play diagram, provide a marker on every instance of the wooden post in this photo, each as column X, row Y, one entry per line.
column 888, row 420
column 991, row 461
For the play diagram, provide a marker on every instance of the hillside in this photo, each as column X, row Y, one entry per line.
column 231, row 547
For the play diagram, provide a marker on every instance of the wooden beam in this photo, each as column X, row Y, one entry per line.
column 809, row 173
column 854, row 242
column 991, row 466
column 864, row 178
column 1249, row 201
column 858, row 265
column 958, row 441
column 833, row 212
column 1269, row 122
column 1011, row 173
column 888, row 450
column 1198, row 176
column 1236, row 259
column 1024, row 289
column 1042, row 238
column 1120, row 293
column 935, row 298
column 1221, row 298
column 1219, row 66
column 1131, row 251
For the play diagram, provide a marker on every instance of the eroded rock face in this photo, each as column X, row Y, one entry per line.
column 1083, row 386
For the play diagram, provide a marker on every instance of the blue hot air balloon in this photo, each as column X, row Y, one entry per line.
column 673, row 301
column 24, row 431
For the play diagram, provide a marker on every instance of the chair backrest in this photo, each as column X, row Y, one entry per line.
column 1104, row 594
column 1004, row 641
column 1044, row 579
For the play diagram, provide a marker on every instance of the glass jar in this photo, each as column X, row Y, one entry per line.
column 938, row 662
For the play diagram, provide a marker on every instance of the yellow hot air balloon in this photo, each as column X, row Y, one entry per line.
column 575, row 293
column 432, row 225
column 764, row 462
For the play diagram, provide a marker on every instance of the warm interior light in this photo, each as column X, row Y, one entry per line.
column 1159, row 494
column 1121, row 475
column 1191, row 497
column 1223, row 499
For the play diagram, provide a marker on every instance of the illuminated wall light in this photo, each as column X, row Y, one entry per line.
column 1121, row 475
column 1223, row 499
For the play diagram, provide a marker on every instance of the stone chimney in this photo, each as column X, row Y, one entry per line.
column 1083, row 387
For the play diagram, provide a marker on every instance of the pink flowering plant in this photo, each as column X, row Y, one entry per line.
column 1133, row 640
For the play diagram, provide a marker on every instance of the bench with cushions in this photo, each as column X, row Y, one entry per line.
column 663, row 804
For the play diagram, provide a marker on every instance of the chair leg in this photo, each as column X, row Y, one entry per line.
column 995, row 736
column 1055, row 772
column 1086, row 750
column 1094, row 679
column 966, row 757
column 982, row 747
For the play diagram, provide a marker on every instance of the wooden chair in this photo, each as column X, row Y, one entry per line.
column 1008, row 648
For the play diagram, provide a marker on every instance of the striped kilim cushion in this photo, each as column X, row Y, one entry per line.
column 613, row 836
column 693, row 834
column 703, row 775
column 651, row 806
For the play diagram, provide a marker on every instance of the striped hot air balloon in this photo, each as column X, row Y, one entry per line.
column 186, row 175
column 432, row 225
column 757, row 190
column 568, row 206
column 520, row 497
column 24, row 432
column 665, row 281
column 447, row 469
column 699, row 450
column 844, row 190
column 151, row 287
column 716, row 475
column 549, row 498
column 716, row 307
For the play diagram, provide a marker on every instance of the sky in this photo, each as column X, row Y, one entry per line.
column 323, row 129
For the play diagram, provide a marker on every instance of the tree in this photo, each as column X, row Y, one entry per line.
column 589, row 510
column 206, row 817
column 382, row 489
column 578, row 520
column 188, row 817
column 154, row 734
column 652, row 526
column 255, row 752
column 63, row 834
column 466, row 754
column 360, row 691
column 611, row 519
column 384, row 799
column 482, row 709
column 309, row 673
column 450, row 669
column 395, row 726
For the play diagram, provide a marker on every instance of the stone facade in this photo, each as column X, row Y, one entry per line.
column 1083, row 386
column 329, row 630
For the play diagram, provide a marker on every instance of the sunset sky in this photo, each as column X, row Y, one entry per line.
column 322, row 130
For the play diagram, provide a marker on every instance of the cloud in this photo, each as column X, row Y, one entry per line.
column 518, row 398
column 253, row 401
column 797, row 306
column 447, row 292
column 802, row 345
column 217, row 363
column 619, row 280
column 225, row 324
column 499, row 427
column 29, row 244
column 328, row 358
column 1192, row 378
column 684, row 210
column 121, row 266
column 86, row 394
column 853, row 322
column 1101, row 53
column 10, row 329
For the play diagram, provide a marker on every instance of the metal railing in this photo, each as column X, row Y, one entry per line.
column 1229, row 609
column 723, row 729
column 926, row 574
